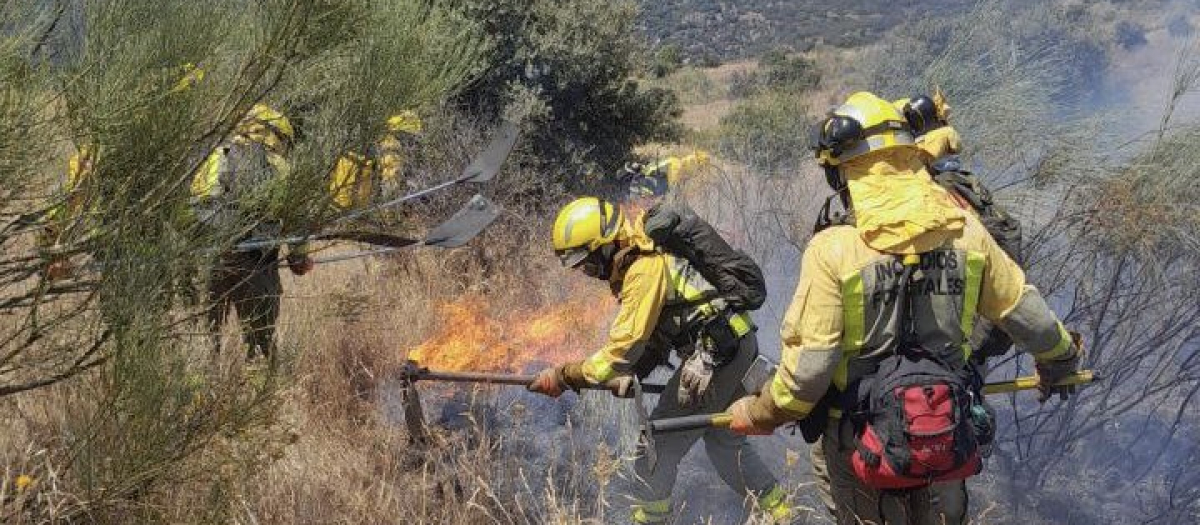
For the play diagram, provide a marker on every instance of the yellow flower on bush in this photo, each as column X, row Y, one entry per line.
column 23, row 482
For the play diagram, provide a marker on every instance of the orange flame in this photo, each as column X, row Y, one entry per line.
column 469, row 339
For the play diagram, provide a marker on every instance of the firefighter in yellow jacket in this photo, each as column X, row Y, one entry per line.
column 359, row 179
column 229, row 195
column 930, row 120
column 840, row 320
column 662, row 309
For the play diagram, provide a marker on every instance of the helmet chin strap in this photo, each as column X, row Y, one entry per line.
column 833, row 177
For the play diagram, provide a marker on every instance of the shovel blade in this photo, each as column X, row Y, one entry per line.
column 465, row 224
column 488, row 163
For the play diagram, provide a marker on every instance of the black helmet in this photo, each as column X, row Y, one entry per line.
column 837, row 134
column 922, row 115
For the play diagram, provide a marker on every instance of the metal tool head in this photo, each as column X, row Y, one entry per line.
column 465, row 224
column 646, row 430
column 485, row 166
column 410, row 399
column 411, row 370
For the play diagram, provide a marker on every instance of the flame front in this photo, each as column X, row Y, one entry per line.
column 470, row 339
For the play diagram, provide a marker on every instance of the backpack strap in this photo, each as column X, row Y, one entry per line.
column 967, row 187
column 828, row 218
column 624, row 258
column 907, row 328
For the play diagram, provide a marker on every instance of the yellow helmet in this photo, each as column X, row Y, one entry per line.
column 585, row 224
column 864, row 123
column 405, row 121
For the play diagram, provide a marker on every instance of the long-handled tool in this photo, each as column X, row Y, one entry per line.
column 412, row 372
column 722, row 419
column 482, row 169
column 1079, row 378
column 456, row 231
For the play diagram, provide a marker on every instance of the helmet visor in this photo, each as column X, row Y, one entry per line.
column 572, row 257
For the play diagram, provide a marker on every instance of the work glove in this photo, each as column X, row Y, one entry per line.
column 554, row 381
column 743, row 421
column 621, row 386
column 548, row 382
column 1050, row 372
column 301, row 264
column 695, row 376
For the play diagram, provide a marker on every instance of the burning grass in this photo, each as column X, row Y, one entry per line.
column 474, row 335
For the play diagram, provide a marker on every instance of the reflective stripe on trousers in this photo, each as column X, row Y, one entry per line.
column 774, row 503
column 651, row 511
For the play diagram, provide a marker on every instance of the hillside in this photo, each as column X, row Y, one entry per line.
column 723, row 30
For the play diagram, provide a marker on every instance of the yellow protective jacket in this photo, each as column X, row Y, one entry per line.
column 357, row 179
column 350, row 184
column 940, row 142
column 660, row 295
column 676, row 169
column 841, row 307
column 262, row 126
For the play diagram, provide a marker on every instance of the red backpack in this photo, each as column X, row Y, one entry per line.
column 917, row 417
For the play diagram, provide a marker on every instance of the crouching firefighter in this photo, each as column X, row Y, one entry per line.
column 665, row 304
column 878, row 331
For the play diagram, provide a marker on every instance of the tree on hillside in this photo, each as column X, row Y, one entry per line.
column 571, row 65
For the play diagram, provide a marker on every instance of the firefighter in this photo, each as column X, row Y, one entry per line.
column 841, row 322
column 359, row 179
column 228, row 195
column 662, row 308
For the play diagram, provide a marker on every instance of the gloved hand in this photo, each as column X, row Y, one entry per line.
column 621, row 386
column 1050, row 372
column 695, row 376
column 554, row 381
column 548, row 382
column 300, row 265
column 744, row 423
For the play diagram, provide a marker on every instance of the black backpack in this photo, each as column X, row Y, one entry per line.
column 949, row 172
column 918, row 417
column 988, row 340
column 677, row 229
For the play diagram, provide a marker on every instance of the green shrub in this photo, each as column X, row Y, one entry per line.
column 668, row 59
column 570, row 66
column 768, row 131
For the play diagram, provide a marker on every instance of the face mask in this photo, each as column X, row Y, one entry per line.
column 598, row 264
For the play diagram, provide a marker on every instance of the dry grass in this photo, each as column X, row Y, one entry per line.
column 353, row 462
column 704, row 93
